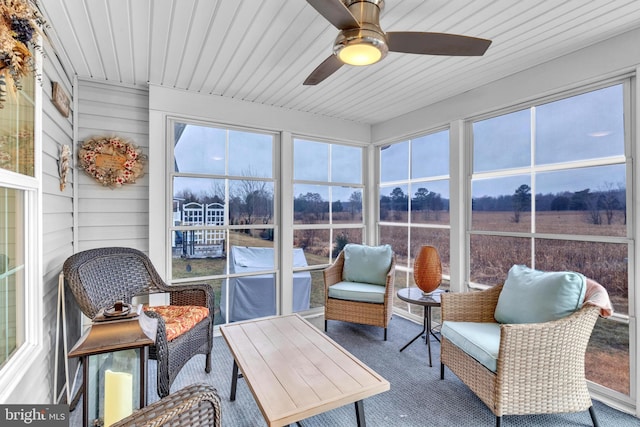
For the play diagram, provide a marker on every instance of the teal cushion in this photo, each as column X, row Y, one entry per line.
column 533, row 296
column 353, row 291
column 479, row 340
column 366, row 264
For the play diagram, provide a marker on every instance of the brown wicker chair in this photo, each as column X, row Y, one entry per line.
column 355, row 311
column 100, row 277
column 540, row 366
column 195, row 405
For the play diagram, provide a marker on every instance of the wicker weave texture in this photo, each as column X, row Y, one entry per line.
column 195, row 405
column 355, row 311
column 98, row 278
column 540, row 366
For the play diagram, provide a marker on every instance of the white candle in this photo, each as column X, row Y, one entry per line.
column 118, row 396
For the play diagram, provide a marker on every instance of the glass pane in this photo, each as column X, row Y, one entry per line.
column 343, row 236
column 398, row 238
column 250, row 154
column 607, row 358
column 195, row 190
column 311, row 204
column 12, row 281
column 310, row 160
column 589, row 201
column 197, row 260
column 394, row 162
column 346, row 205
column 502, row 204
column 400, row 281
column 430, row 155
column 493, row 256
column 199, row 149
column 502, row 142
column 606, row 263
column 430, row 202
column 394, row 203
column 314, row 243
column 436, row 237
column 248, row 297
column 250, row 202
column 252, row 237
column 587, row 126
column 346, row 164
column 16, row 137
column 317, row 289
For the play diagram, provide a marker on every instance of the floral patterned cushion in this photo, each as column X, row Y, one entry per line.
column 178, row 319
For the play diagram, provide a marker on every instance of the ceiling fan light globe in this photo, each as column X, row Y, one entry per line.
column 360, row 54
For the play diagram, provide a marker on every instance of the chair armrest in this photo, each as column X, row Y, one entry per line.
column 333, row 273
column 194, row 405
column 470, row 306
column 545, row 353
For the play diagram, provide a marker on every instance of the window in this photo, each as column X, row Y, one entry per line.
column 222, row 226
column 20, row 304
column 549, row 190
column 327, row 206
column 414, row 203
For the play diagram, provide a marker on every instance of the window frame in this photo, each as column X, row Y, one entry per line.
column 629, row 89
column 170, row 228
column 14, row 369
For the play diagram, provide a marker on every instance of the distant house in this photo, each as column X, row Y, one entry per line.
column 201, row 242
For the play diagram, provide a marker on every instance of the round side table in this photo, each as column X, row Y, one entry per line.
column 416, row 296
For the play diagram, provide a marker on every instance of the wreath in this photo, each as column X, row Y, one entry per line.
column 112, row 161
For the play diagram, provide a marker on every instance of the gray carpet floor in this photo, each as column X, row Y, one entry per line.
column 417, row 396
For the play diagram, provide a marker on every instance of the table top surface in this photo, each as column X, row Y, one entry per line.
column 415, row 295
column 295, row 371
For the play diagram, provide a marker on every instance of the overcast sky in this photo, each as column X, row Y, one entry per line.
column 582, row 127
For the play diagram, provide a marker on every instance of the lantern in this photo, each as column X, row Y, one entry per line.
column 114, row 354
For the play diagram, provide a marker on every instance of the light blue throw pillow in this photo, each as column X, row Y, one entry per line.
column 366, row 264
column 533, row 296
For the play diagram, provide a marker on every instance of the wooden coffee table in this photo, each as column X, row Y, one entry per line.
column 295, row 371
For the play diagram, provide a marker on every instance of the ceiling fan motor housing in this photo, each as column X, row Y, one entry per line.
column 367, row 12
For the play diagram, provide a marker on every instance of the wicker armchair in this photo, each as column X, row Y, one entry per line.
column 100, row 277
column 367, row 313
column 540, row 366
column 195, row 405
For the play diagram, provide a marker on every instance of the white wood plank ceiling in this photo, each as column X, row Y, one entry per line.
column 262, row 50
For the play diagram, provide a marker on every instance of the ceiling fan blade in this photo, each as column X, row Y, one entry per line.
column 436, row 44
column 324, row 70
column 335, row 12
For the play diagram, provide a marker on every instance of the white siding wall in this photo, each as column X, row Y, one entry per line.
column 113, row 216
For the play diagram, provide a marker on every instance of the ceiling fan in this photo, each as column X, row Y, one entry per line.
column 362, row 42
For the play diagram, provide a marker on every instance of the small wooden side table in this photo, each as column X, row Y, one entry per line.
column 415, row 295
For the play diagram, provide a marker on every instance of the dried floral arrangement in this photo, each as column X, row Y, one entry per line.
column 20, row 21
column 111, row 160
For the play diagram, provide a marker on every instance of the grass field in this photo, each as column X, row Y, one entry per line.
column 491, row 257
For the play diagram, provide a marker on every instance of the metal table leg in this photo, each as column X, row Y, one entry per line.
column 360, row 414
column 424, row 330
column 234, row 381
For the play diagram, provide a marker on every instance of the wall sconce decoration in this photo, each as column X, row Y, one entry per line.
column 114, row 354
column 60, row 99
column 111, row 161
column 63, row 165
